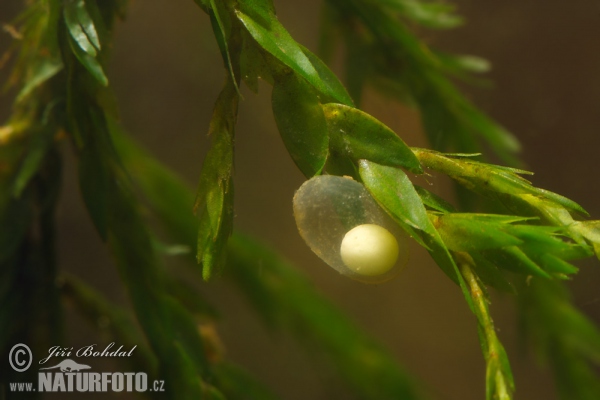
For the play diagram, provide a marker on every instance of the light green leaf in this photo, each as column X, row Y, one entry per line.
column 360, row 136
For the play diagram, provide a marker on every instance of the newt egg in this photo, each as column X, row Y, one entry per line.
column 369, row 249
column 343, row 225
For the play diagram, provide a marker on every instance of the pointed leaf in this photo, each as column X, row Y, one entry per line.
column 275, row 39
column 466, row 232
column 360, row 136
column 75, row 29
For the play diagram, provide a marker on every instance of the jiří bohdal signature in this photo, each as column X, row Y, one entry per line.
column 87, row 351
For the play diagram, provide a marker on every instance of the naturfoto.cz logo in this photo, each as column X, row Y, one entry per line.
column 71, row 376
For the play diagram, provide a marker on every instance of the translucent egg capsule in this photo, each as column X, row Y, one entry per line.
column 346, row 228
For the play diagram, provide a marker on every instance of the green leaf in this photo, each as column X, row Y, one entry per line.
column 395, row 193
column 275, row 39
column 590, row 230
column 467, row 232
column 301, row 122
column 220, row 31
column 214, row 202
column 360, row 136
column 433, row 201
column 42, row 71
column 491, row 275
column 90, row 63
column 437, row 15
column 75, row 29
column 329, row 79
column 514, row 259
column 81, row 26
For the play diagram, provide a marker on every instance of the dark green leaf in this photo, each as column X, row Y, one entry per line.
column 360, row 136
column 275, row 39
column 301, row 123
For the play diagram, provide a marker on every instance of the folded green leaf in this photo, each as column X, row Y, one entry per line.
column 71, row 12
column 301, row 123
column 358, row 135
column 81, row 26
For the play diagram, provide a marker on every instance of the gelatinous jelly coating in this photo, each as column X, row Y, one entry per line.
column 369, row 249
column 327, row 207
